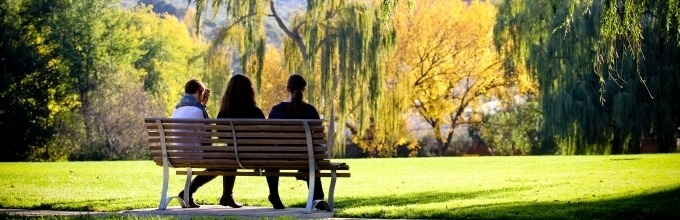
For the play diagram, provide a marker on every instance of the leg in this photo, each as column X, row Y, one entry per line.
column 318, row 189
column 273, row 184
column 227, row 198
column 195, row 184
column 318, row 195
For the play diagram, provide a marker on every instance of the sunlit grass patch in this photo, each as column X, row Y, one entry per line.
column 571, row 187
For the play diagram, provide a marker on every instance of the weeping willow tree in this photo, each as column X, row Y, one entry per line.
column 338, row 46
column 607, row 70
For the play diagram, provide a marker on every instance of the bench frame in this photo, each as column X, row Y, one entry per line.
column 312, row 167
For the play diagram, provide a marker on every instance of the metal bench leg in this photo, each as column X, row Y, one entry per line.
column 331, row 191
column 310, row 195
column 164, row 189
column 312, row 174
column 163, row 203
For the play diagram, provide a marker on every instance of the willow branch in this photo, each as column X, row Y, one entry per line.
column 295, row 34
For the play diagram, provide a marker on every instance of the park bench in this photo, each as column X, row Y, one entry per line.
column 296, row 147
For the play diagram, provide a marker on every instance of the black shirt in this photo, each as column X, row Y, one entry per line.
column 251, row 112
column 283, row 111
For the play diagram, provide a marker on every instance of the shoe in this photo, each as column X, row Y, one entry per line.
column 276, row 202
column 320, row 206
column 229, row 201
column 190, row 203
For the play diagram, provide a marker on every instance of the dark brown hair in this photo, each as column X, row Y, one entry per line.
column 193, row 86
column 238, row 96
column 296, row 85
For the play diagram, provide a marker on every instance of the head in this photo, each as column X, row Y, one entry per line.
column 238, row 94
column 296, row 85
column 196, row 88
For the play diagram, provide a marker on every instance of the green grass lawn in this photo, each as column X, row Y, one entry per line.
column 565, row 187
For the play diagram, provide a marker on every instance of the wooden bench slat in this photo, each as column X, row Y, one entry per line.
column 271, row 163
column 198, row 141
column 213, row 155
column 157, row 139
column 269, row 148
column 255, row 173
column 200, row 146
column 262, row 128
column 322, row 165
column 260, row 166
column 283, row 135
column 201, row 161
column 237, row 121
column 281, row 166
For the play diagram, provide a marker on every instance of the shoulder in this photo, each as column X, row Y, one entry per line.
column 281, row 105
column 251, row 112
column 187, row 112
column 279, row 110
column 257, row 112
column 311, row 112
column 308, row 106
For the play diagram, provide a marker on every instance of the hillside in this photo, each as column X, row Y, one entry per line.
column 178, row 8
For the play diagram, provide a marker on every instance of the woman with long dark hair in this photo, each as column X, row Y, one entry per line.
column 293, row 108
column 238, row 101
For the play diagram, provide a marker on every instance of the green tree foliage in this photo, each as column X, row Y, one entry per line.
column 79, row 76
column 148, row 59
column 516, row 130
column 341, row 46
column 337, row 45
column 26, row 79
column 170, row 56
column 86, row 39
column 607, row 70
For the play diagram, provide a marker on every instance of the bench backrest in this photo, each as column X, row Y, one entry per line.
column 238, row 143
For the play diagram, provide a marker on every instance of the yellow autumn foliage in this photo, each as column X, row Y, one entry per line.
column 445, row 53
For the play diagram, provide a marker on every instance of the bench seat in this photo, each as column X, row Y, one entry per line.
column 243, row 147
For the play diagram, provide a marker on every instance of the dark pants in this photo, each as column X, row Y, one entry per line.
column 273, row 183
column 227, row 182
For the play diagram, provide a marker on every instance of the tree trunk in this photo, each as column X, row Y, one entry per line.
column 441, row 146
column 617, row 145
column 634, row 145
column 330, row 138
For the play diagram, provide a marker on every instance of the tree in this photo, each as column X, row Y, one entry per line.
column 149, row 58
column 334, row 44
column 606, row 69
column 79, row 76
column 449, row 62
column 516, row 130
column 273, row 82
column 26, row 79
column 171, row 56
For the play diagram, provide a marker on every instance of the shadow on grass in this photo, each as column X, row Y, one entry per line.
column 88, row 205
column 412, row 198
column 657, row 205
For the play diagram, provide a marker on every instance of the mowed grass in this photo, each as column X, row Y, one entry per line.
column 547, row 187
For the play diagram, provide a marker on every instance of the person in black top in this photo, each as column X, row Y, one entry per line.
column 238, row 102
column 293, row 108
